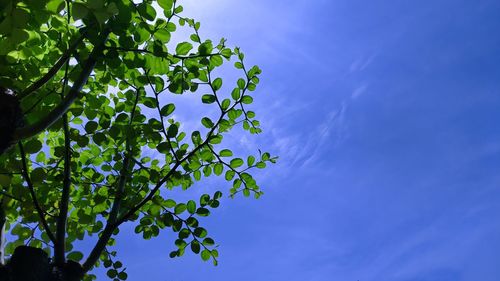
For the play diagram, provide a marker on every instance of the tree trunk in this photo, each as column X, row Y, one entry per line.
column 33, row 264
column 10, row 118
column 2, row 234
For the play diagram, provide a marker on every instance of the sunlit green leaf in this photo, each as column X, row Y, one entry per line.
column 183, row 48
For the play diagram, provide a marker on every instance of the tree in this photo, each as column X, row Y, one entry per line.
column 89, row 143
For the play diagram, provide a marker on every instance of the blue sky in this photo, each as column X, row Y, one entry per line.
column 385, row 115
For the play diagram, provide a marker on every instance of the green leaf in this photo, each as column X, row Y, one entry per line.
column 216, row 61
column 194, row 38
column 214, row 253
column 266, row 156
column 218, row 169
column 247, row 100
column 5, row 180
column 183, row 48
column 75, row 256
column 147, row 11
column 195, row 247
column 227, row 53
column 169, row 203
column 241, row 83
column 200, row 232
column 250, row 160
column 207, row 122
column 167, row 109
column 191, row 206
column 205, row 255
column 180, row 243
column 217, row 84
column 32, row 146
column 112, row 273
column 208, row 241
column 184, row 233
column 21, row 17
column 207, row 171
column 171, row 26
column 40, row 157
column 215, row 139
column 217, row 195
column 204, row 199
column 91, row 126
column 197, row 175
column 235, row 94
column 55, row 6
column 229, row 175
column 163, row 35
column 226, row 153
column 122, row 275
column 236, row 162
column 225, row 104
column 208, row 99
column 79, row 10
column 180, row 208
column 178, row 9
column 172, row 131
column 99, row 138
column 163, row 147
column 251, row 87
column 166, row 4
column 113, row 118
column 246, row 192
column 202, row 212
column 205, row 48
column 107, row 263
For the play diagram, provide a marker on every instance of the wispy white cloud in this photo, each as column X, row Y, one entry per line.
column 361, row 63
column 332, row 131
column 303, row 147
column 359, row 91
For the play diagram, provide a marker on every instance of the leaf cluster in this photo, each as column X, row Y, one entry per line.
column 118, row 149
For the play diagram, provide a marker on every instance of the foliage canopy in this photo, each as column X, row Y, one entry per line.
column 98, row 145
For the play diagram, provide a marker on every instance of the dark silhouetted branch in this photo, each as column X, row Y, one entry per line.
column 33, row 195
column 59, row 110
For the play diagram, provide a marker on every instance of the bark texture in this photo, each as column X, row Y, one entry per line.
column 11, row 118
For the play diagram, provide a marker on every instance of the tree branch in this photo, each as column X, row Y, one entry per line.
column 59, row 110
column 163, row 53
column 33, row 195
column 60, row 246
column 10, row 196
column 53, row 70
column 150, row 195
column 113, row 214
column 168, row 175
